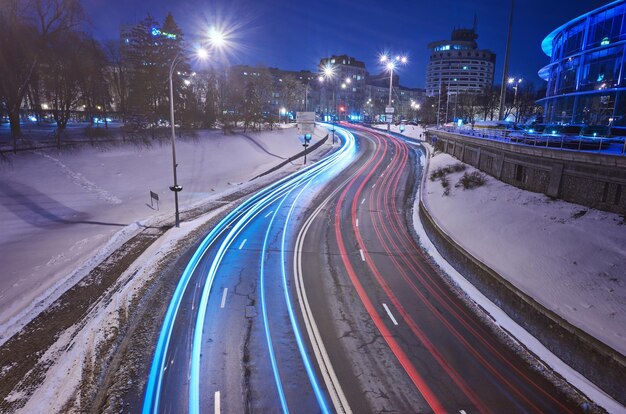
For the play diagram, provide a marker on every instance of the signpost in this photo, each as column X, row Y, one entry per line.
column 389, row 110
column 307, row 139
column 154, row 197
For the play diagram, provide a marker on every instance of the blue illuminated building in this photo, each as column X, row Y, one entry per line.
column 586, row 76
column 458, row 65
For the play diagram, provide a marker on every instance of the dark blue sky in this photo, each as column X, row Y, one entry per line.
column 292, row 34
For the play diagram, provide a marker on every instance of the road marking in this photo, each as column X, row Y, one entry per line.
column 362, row 255
column 218, row 408
column 268, row 214
column 374, row 186
column 330, row 378
column 462, row 412
column 224, row 297
column 390, row 314
column 242, row 243
column 357, row 222
column 362, row 201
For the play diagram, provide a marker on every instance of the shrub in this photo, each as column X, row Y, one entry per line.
column 441, row 172
column 471, row 180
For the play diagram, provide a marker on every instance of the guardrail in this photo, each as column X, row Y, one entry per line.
column 295, row 157
column 605, row 145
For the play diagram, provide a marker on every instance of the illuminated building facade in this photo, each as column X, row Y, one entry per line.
column 458, row 65
column 586, row 75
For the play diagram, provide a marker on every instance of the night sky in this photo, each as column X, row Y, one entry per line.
column 294, row 35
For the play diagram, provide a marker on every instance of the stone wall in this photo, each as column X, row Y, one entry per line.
column 591, row 179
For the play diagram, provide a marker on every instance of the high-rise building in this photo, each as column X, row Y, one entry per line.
column 347, row 85
column 587, row 72
column 458, row 65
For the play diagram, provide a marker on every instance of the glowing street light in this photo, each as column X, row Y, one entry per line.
column 391, row 65
column 203, row 54
column 515, row 83
column 328, row 74
column 217, row 38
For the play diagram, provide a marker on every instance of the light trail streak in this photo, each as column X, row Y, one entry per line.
column 228, row 228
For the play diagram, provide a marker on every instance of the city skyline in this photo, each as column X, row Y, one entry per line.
column 369, row 30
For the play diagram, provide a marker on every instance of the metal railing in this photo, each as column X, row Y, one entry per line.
column 605, row 145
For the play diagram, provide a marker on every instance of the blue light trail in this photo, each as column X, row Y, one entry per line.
column 228, row 229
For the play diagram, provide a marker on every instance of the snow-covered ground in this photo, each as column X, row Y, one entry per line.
column 570, row 258
column 572, row 264
column 63, row 212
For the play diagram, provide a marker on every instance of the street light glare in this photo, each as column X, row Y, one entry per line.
column 391, row 66
column 329, row 71
column 403, row 59
column 384, row 58
column 202, row 53
column 217, row 38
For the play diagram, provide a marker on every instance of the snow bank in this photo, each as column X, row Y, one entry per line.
column 63, row 212
column 569, row 258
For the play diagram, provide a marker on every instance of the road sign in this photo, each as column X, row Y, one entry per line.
column 305, row 117
column 306, row 122
column 389, row 110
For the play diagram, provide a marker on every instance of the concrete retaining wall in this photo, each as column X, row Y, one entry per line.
column 591, row 179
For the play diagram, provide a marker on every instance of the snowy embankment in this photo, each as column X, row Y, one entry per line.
column 64, row 212
column 568, row 257
column 571, row 262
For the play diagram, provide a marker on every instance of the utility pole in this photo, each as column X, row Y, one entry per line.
column 505, row 72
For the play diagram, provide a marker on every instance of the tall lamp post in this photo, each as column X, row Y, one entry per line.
column 216, row 39
column 415, row 106
column 515, row 83
column 328, row 74
column 391, row 64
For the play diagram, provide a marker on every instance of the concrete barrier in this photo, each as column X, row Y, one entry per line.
column 592, row 179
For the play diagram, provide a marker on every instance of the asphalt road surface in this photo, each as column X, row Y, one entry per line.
column 313, row 297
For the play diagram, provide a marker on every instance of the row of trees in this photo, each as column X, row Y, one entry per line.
column 50, row 67
column 35, row 35
column 481, row 106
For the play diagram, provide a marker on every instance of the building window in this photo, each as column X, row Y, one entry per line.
column 605, row 27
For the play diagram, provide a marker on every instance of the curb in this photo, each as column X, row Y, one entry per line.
column 294, row 157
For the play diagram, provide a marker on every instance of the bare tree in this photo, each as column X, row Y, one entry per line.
column 28, row 28
column 65, row 76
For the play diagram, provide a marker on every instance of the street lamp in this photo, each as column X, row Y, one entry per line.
column 390, row 65
column 328, row 74
column 282, row 112
column 415, row 106
column 216, row 39
column 515, row 83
